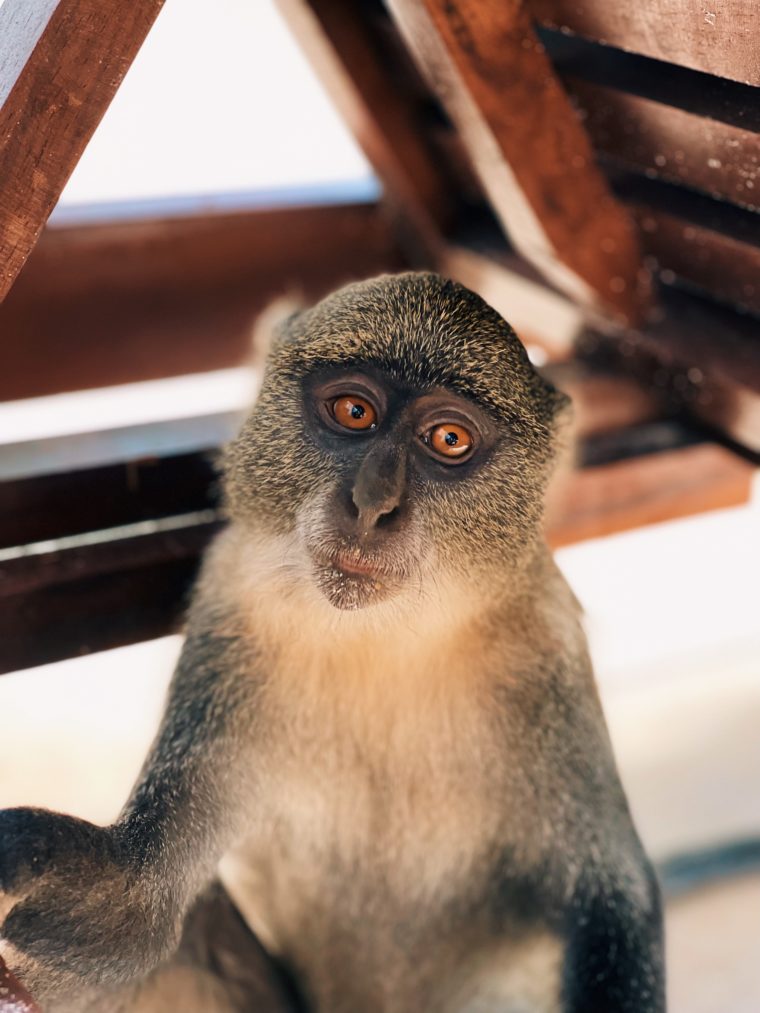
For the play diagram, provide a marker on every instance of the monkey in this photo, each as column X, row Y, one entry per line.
column 383, row 755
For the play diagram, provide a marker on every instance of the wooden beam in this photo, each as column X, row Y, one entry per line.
column 647, row 490
column 529, row 149
column 91, row 499
column 693, row 91
column 140, row 300
column 61, row 62
column 91, row 597
column 708, row 243
column 722, row 265
column 710, row 356
column 668, row 143
column 719, row 38
column 383, row 115
column 604, row 401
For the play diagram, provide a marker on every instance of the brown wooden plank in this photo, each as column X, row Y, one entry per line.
column 718, row 38
column 663, row 141
column 47, row 507
column 383, row 114
column 60, row 65
column 722, row 265
column 94, row 597
column 711, row 244
column 141, row 300
column 713, row 98
column 654, row 437
column 703, row 356
column 647, row 490
column 532, row 156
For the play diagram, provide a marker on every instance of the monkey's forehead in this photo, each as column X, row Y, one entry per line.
column 422, row 331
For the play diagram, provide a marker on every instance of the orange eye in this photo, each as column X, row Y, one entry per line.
column 353, row 412
column 449, row 440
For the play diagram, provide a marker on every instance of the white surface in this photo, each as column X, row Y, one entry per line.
column 668, row 600
column 87, row 411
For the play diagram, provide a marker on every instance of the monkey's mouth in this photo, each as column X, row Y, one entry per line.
column 354, row 564
column 351, row 579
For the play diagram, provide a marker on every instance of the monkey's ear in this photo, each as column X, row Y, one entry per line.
column 560, row 403
column 271, row 325
column 563, row 407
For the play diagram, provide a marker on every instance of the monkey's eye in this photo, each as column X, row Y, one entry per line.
column 353, row 412
column 449, row 440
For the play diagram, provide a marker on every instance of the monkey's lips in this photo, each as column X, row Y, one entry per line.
column 356, row 565
column 351, row 579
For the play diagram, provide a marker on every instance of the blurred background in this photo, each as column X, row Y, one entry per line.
column 590, row 172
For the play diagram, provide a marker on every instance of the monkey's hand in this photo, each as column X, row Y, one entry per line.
column 73, row 912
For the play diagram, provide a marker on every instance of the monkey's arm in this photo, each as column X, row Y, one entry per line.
column 614, row 962
column 98, row 905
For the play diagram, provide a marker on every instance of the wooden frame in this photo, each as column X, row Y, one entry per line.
column 61, row 62
column 537, row 170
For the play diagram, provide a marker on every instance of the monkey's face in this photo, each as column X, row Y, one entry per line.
column 390, row 446
column 400, row 435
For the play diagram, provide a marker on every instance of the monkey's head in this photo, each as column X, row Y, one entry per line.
column 401, row 434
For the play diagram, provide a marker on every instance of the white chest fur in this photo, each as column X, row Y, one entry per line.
column 381, row 764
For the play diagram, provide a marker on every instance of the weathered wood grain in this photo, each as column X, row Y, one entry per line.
column 704, row 357
column 693, row 91
column 533, row 158
column 723, row 265
column 716, row 36
column 90, row 598
column 60, row 65
column 666, row 142
column 712, row 244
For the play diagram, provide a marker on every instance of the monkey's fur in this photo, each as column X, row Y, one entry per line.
column 402, row 766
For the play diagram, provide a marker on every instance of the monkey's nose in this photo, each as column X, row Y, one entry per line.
column 378, row 491
column 372, row 516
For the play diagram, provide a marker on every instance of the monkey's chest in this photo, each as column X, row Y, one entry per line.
column 360, row 872
column 333, row 845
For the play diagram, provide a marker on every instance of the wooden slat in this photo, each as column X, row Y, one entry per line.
column 60, row 65
column 708, row 243
column 604, row 401
column 385, row 118
column 647, row 490
column 663, row 141
column 528, row 147
column 618, row 445
column 129, row 301
column 704, row 356
column 720, row 264
column 90, row 598
column 86, row 499
column 718, row 38
column 713, row 98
